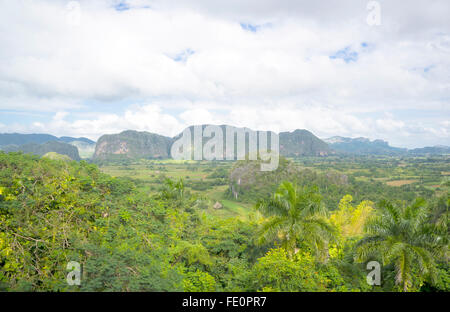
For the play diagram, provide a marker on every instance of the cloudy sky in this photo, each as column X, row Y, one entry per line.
column 350, row 68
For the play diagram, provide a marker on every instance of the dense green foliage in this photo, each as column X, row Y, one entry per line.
column 297, row 218
column 406, row 238
column 248, row 183
column 130, row 238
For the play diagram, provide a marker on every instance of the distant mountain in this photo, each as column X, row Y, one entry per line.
column 133, row 144
column 224, row 128
column 431, row 150
column 363, row 146
column 20, row 139
column 44, row 148
column 292, row 144
column 85, row 146
column 302, row 143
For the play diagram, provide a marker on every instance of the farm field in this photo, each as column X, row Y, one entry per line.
column 197, row 177
column 210, row 180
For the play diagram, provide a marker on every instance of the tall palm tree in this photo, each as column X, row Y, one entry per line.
column 402, row 236
column 296, row 215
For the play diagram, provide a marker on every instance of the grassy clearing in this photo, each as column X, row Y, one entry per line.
column 400, row 182
column 152, row 172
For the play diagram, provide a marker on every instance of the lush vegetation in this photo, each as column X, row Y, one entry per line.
column 151, row 225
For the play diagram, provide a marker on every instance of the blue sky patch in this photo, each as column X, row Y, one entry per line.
column 345, row 54
column 183, row 56
column 254, row 27
column 427, row 69
column 250, row 27
column 122, row 6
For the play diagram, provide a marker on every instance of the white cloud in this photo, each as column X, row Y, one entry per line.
column 280, row 77
column 322, row 122
column 143, row 118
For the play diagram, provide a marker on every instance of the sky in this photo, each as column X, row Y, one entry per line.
column 353, row 68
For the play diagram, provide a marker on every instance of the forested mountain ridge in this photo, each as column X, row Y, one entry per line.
column 224, row 133
column 44, row 148
column 363, row 146
column 39, row 144
column 126, row 238
column 132, row 144
column 302, row 143
column 298, row 143
column 38, row 138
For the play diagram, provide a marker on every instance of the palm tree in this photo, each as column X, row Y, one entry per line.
column 295, row 215
column 401, row 236
column 173, row 189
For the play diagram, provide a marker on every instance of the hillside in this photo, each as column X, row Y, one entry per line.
column 224, row 134
column 132, row 144
column 141, row 231
column 20, row 139
column 247, row 183
column 42, row 149
column 302, row 143
column 12, row 142
column 292, row 144
column 56, row 156
column 38, row 138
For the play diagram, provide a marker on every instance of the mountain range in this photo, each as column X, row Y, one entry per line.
column 364, row 146
column 133, row 144
column 302, row 143
column 20, row 139
column 45, row 148
column 41, row 144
